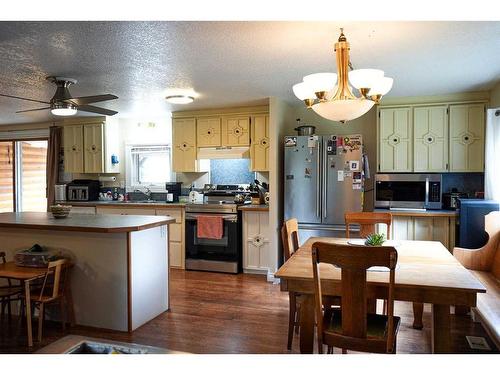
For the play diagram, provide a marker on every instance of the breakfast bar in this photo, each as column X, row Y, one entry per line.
column 119, row 278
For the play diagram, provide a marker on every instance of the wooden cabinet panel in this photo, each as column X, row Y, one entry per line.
column 467, row 138
column 93, row 140
column 208, row 132
column 73, row 148
column 184, row 145
column 176, row 255
column 422, row 228
column 175, row 213
column 259, row 148
column 236, row 131
column 125, row 211
column 176, row 236
column 395, row 140
column 257, row 255
column 83, row 210
column 430, row 139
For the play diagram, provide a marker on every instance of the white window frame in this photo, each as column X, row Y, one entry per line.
column 132, row 185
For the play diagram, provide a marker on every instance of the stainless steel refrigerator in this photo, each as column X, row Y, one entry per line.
column 324, row 178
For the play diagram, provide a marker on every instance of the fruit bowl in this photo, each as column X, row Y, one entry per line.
column 59, row 211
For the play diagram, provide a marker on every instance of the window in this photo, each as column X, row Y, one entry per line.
column 22, row 175
column 148, row 166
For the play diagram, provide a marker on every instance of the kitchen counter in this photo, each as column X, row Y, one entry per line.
column 121, row 204
column 82, row 223
column 428, row 213
column 254, row 207
column 119, row 279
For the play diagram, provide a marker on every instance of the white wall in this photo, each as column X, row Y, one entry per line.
column 495, row 96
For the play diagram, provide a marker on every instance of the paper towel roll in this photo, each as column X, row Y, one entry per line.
column 107, row 178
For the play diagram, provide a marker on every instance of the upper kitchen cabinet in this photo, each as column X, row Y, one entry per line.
column 90, row 145
column 208, row 132
column 184, row 145
column 236, row 131
column 467, row 138
column 395, row 140
column 259, row 148
column 430, row 139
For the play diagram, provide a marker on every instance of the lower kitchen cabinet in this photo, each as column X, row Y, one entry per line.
column 424, row 228
column 176, row 236
column 83, row 210
column 176, row 230
column 257, row 255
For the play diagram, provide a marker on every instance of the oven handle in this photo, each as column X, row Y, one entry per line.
column 231, row 218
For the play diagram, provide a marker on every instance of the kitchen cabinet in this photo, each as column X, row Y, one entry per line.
column 430, row 139
column 395, row 132
column 236, row 131
column 73, row 148
column 176, row 236
column 125, row 211
column 467, row 138
column 208, row 132
column 424, row 228
column 257, row 255
column 89, row 144
column 184, row 145
column 259, row 147
column 83, row 210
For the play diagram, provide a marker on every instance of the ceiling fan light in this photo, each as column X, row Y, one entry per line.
column 303, row 91
column 321, row 82
column 365, row 78
column 180, row 99
column 63, row 109
column 382, row 86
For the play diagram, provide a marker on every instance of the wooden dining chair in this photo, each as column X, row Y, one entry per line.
column 290, row 239
column 367, row 221
column 8, row 293
column 53, row 290
column 351, row 327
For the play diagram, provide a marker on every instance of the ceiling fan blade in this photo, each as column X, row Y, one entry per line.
column 30, row 100
column 82, row 100
column 92, row 109
column 33, row 110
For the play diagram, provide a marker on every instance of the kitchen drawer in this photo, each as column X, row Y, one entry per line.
column 83, row 210
column 175, row 213
column 175, row 232
column 175, row 249
column 125, row 211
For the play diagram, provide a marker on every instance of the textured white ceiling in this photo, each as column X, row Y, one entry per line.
column 233, row 63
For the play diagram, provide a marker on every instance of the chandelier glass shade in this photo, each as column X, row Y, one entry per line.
column 331, row 95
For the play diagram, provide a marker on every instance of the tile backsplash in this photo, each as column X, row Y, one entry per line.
column 469, row 183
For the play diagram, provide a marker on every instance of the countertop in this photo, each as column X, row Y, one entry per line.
column 82, row 222
column 121, row 204
column 441, row 213
column 254, row 207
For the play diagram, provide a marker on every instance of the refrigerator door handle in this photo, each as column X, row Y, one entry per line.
column 318, row 181
column 325, row 181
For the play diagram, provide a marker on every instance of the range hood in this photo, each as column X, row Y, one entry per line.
column 223, row 153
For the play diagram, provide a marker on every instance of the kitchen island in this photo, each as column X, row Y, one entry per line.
column 119, row 279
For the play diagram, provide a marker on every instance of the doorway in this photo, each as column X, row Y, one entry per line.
column 23, row 185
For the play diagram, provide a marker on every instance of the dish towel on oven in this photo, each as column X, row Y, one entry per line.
column 210, row 226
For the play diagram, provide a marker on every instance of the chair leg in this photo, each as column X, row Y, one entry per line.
column 297, row 321
column 63, row 314
column 384, row 308
column 9, row 311
column 41, row 313
column 330, row 350
column 418, row 311
column 291, row 318
column 344, row 351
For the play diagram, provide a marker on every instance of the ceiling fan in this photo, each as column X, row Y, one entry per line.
column 63, row 104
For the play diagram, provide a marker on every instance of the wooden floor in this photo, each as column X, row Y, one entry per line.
column 220, row 313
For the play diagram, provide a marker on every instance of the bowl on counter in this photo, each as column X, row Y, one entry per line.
column 60, row 211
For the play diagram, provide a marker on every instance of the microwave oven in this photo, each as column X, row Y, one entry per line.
column 410, row 191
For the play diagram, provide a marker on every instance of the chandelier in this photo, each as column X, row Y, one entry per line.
column 332, row 98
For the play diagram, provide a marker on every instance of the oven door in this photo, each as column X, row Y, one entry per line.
column 225, row 249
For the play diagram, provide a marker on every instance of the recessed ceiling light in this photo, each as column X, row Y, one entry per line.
column 180, row 99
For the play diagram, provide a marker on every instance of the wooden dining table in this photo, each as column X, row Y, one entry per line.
column 426, row 273
column 10, row 270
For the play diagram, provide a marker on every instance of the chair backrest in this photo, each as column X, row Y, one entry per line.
column 57, row 272
column 2, row 256
column 367, row 221
column 353, row 262
column 290, row 237
column 492, row 227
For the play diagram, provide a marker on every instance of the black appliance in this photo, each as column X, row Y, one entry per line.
column 450, row 200
column 175, row 189
column 408, row 191
column 471, row 213
column 219, row 255
column 83, row 190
